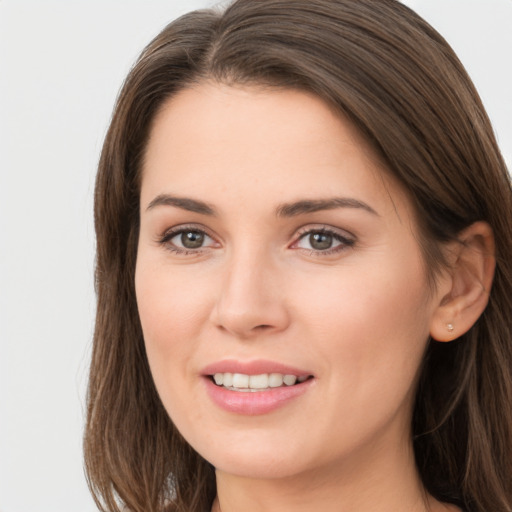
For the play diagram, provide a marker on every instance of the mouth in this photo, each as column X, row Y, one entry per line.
column 255, row 387
column 256, row 383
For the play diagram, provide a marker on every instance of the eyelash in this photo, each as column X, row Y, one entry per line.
column 345, row 242
column 165, row 239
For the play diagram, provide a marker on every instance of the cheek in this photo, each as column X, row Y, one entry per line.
column 172, row 310
column 369, row 298
column 370, row 324
column 169, row 301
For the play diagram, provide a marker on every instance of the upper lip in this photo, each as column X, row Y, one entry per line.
column 256, row 367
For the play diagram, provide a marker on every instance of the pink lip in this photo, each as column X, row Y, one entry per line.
column 250, row 402
column 256, row 367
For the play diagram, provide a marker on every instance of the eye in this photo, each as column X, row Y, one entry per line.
column 318, row 241
column 189, row 239
column 186, row 240
column 324, row 241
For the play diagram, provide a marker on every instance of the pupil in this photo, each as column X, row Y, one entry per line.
column 320, row 241
column 192, row 239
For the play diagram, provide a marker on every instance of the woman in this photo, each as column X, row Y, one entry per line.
column 303, row 271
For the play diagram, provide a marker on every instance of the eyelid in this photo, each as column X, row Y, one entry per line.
column 346, row 238
column 343, row 236
column 165, row 238
column 315, row 226
column 323, row 228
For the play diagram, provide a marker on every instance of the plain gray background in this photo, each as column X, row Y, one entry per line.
column 61, row 65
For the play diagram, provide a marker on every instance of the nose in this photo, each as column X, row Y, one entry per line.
column 251, row 300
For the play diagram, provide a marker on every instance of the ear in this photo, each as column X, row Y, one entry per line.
column 465, row 287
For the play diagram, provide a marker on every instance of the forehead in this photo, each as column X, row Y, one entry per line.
column 212, row 139
column 243, row 116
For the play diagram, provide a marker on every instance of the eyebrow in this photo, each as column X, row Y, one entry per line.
column 185, row 203
column 315, row 205
column 284, row 210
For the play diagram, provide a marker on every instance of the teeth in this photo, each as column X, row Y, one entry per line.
column 289, row 380
column 240, row 381
column 227, row 380
column 258, row 381
column 275, row 380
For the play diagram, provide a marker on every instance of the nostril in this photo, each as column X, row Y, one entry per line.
column 247, row 317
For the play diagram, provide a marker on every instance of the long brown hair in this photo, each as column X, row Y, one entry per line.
column 402, row 86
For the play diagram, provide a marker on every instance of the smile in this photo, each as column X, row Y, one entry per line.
column 265, row 381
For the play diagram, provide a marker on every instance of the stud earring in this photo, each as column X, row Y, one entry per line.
column 449, row 327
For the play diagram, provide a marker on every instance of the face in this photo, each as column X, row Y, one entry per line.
column 280, row 285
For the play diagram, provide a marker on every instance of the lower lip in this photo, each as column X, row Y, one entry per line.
column 254, row 402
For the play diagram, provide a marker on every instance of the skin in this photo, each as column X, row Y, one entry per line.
column 357, row 316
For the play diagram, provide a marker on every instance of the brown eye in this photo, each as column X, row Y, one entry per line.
column 187, row 240
column 320, row 241
column 323, row 241
column 192, row 239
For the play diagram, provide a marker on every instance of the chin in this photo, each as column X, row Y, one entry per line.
column 256, row 455
column 257, row 467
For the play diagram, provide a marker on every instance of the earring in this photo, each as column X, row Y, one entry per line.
column 450, row 327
